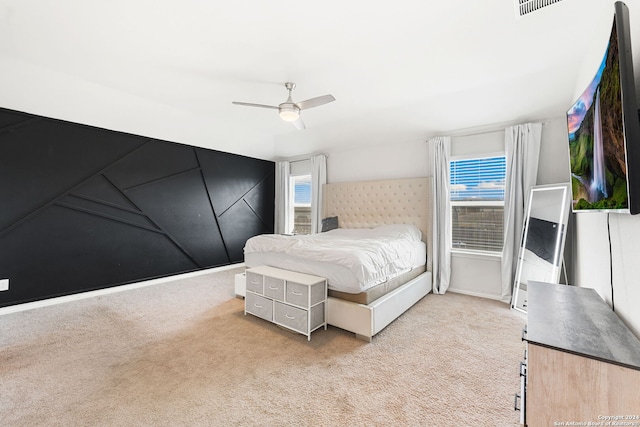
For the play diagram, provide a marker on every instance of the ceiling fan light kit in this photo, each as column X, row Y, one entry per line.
column 289, row 111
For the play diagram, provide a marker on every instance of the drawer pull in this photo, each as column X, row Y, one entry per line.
column 296, row 293
column 256, row 305
column 255, row 282
column 273, row 288
column 289, row 317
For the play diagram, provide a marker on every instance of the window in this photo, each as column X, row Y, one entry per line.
column 301, row 203
column 477, row 203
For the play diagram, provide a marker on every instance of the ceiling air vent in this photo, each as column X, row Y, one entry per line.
column 525, row 7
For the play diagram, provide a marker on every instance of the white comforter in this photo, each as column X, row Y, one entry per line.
column 372, row 255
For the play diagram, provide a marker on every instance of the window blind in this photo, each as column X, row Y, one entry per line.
column 478, row 179
column 477, row 203
column 303, row 193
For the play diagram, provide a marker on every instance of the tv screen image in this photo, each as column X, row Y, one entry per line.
column 604, row 131
column 596, row 139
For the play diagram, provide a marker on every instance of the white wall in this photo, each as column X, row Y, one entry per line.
column 396, row 160
column 477, row 275
column 411, row 160
column 593, row 260
column 625, row 243
column 553, row 165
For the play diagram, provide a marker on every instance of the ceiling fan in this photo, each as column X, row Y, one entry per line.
column 289, row 111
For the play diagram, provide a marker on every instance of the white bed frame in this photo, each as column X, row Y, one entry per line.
column 370, row 204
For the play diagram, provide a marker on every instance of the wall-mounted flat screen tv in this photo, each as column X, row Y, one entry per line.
column 604, row 131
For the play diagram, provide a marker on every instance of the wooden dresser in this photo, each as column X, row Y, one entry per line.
column 582, row 364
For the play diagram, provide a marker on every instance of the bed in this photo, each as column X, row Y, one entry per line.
column 367, row 304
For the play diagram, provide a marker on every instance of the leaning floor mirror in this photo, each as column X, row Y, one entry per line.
column 543, row 237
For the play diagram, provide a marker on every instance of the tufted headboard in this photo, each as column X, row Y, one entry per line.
column 368, row 204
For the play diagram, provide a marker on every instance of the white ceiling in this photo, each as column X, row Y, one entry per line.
column 401, row 71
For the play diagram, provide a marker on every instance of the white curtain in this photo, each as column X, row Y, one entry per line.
column 318, row 179
column 440, row 153
column 282, row 205
column 522, row 148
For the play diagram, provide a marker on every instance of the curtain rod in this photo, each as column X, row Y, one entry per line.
column 300, row 158
column 470, row 132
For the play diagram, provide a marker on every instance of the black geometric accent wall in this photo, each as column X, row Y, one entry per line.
column 84, row 208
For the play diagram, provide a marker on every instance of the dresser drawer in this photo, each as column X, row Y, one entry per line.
column 274, row 288
column 291, row 317
column 297, row 294
column 254, row 282
column 259, row 306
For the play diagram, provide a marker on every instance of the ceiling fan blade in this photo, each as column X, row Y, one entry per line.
column 248, row 104
column 315, row 102
column 299, row 124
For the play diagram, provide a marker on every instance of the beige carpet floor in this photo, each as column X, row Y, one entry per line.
column 183, row 354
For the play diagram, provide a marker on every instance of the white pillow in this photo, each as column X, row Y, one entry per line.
column 410, row 232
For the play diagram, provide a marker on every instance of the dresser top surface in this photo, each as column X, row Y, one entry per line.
column 294, row 276
column 577, row 320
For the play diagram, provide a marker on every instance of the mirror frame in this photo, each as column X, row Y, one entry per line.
column 560, row 237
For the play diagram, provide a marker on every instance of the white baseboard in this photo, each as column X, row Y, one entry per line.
column 91, row 294
column 475, row 294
